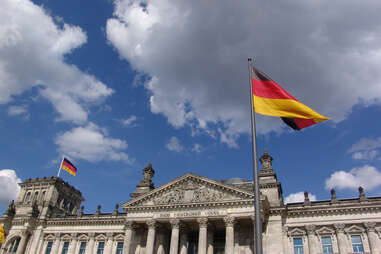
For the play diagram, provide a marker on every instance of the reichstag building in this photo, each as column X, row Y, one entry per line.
column 188, row 215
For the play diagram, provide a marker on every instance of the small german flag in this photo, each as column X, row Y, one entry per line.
column 272, row 100
column 68, row 166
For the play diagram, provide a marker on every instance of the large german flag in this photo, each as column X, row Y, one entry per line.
column 69, row 167
column 272, row 100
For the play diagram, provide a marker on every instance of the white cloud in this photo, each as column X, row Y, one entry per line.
column 298, row 197
column 92, row 143
column 129, row 122
column 365, row 155
column 9, row 188
column 197, row 148
column 196, row 55
column 367, row 177
column 174, row 145
column 20, row 110
column 366, row 144
column 33, row 49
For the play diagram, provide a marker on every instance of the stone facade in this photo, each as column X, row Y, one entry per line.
column 191, row 214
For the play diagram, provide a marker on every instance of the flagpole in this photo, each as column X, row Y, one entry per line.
column 59, row 170
column 257, row 199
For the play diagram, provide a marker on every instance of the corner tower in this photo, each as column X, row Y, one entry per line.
column 50, row 197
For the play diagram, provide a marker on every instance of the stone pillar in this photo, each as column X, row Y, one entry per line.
column 229, row 242
column 108, row 243
column 56, row 244
column 341, row 240
column 160, row 241
column 311, row 239
column 202, row 237
column 128, row 236
column 374, row 242
column 183, row 240
column 285, row 239
column 90, row 247
column 151, row 236
column 73, row 244
column 23, row 242
column 210, row 244
column 175, row 223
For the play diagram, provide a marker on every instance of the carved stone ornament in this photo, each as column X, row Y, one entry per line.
column 202, row 222
column 310, row 229
column 266, row 161
column 285, row 229
column 175, row 223
column 370, row 226
column 339, row 227
column 229, row 221
column 152, row 224
column 91, row 235
column 191, row 192
column 129, row 225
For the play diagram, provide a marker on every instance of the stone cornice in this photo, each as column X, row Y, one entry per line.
column 86, row 221
column 334, row 209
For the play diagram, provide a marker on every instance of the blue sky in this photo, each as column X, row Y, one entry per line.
column 115, row 85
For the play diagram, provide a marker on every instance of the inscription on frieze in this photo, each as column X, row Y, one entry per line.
column 185, row 214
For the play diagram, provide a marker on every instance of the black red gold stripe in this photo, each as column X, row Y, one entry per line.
column 69, row 167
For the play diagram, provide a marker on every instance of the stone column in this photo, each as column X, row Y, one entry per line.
column 108, row 243
column 285, row 239
column 90, row 247
column 374, row 242
column 311, row 239
column 210, row 244
column 229, row 242
column 183, row 240
column 151, row 236
column 56, row 244
column 202, row 236
column 23, row 242
column 175, row 223
column 160, row 241
column 128, row 236
column 341, row 240
column 73, row 244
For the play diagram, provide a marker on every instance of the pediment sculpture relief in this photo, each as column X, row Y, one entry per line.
column 192, row 192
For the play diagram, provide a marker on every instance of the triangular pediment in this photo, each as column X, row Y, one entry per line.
column 354, row 229
column 189, row 189
column 325, row 231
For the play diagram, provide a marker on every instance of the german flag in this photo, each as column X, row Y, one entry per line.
column 68, row 166
column 271, row 99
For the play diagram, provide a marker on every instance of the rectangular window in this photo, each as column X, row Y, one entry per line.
column 49, row 247
column 82, row 248
column 357, row 244
column 298, row 245
column 65, row 248
column 119, row 248
column 101, row 246
column 326, row 243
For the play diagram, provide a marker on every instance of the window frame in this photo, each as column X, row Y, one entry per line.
column 82, row 250
column 330, row 245
column 296, row 247
column 48, row 249
column 65, row 249
column 357, row 247
column 118, row 249
column 99, row 250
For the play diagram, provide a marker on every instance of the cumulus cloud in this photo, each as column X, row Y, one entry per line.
column 367, row 176
column 93, row 144
column 20, row 110
column 197, row 148
column 129, row 122
column 365, row 155
column 33, row 49
column 174, row 145
column 298, row 197
column 9, row 188
column 197, row 56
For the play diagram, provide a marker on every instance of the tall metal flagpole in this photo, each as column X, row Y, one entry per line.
column 59, row 170
column 257, row 199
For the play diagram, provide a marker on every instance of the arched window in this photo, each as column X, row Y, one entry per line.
column 35, row 196
column 27, row 197
column 43, row 196
column 14, row 245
